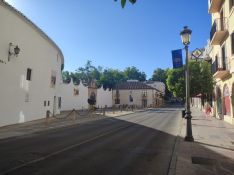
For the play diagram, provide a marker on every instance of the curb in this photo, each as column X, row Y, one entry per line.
column 173, row 161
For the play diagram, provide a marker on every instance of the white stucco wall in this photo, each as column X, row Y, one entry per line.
column 71, row 101
column 104, row 97
column 37, row 53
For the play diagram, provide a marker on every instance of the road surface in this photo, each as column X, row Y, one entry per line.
column 138, row 144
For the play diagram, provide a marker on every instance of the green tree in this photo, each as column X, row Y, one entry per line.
column 87, row 73
column 201, row 80
column 123, row 2
column 111, row 77
column 161, row 75
column 66, row 76
column 132, row 73
column 176, row 82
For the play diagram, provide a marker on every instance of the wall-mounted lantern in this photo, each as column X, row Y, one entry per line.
column 13, row 50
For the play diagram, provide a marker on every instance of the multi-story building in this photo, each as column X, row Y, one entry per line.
column 222, row 53
column 30, row 69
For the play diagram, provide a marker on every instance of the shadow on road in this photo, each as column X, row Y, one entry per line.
column 108, row 146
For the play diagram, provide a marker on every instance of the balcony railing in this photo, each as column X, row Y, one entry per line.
column 220, row 68
column 219, row 31
column 215, row 5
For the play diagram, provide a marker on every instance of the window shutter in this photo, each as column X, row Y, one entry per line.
column 232, row 43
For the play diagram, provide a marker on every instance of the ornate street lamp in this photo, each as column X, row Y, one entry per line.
column 185, row 36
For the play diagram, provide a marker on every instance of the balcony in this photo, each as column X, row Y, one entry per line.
column 220, row 68
column 215, row 5
column 144, row 96
column 219, row 31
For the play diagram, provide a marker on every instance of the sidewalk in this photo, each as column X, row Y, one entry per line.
column 211, row 153
column 62, row 120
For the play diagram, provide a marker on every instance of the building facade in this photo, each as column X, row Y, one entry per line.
column 76, row 96
column 222, row 54
column 138, row 94
column 30, row 69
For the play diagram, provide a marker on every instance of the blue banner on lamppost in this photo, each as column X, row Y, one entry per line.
column 177, row 58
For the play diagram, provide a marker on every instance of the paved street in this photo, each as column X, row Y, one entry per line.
column 141, row 144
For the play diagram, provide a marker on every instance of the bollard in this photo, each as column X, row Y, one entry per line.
column 47, row 117
column 74, row 115
column 183, row 113
column 104, row 111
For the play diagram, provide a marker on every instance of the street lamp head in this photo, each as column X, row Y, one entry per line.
column 186, row 35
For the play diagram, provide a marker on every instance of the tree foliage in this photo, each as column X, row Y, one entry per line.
column 132, row 73
column 161, row 75
column 201, row 80
column 108, row 78
column 123, row 2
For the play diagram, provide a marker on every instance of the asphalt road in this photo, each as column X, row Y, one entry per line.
column 136, row 144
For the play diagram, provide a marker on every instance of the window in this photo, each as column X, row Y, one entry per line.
column 44, row 103
column 231, row 4
column 59, row 102
column 76, row 92
column 232, row 41
column 130, row 98
column 53, row 79
column 29, row 73
column 117, row 101
column 48, row 103
column 144, row 93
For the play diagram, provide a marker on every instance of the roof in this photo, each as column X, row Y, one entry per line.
column 43, row 34
column 133, row 86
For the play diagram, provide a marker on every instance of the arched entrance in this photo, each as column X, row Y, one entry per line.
column 219, row 101
column 226, row 101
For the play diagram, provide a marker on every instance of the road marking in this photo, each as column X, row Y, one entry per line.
column 63, row 150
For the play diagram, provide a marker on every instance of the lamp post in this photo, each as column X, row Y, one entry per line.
column 185, row 36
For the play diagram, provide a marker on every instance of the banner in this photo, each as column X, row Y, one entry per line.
column 177, row 58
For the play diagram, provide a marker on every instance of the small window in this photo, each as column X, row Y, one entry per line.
column 59, row 102
column 44, row 103
column 48, row 103
column 53, row 79
column 117, row 101
column 29, row 73
column 231, row 4
column 76, row 92
column 232, row 38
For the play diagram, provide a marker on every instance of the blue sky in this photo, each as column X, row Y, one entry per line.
column 140, row 35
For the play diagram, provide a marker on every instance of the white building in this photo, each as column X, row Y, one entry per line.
column 29, row 80
column 76, row 96
column 73, row 96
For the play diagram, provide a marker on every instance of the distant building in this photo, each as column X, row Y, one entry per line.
column 157, row 85
column 137, row 93
column 30, row 69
